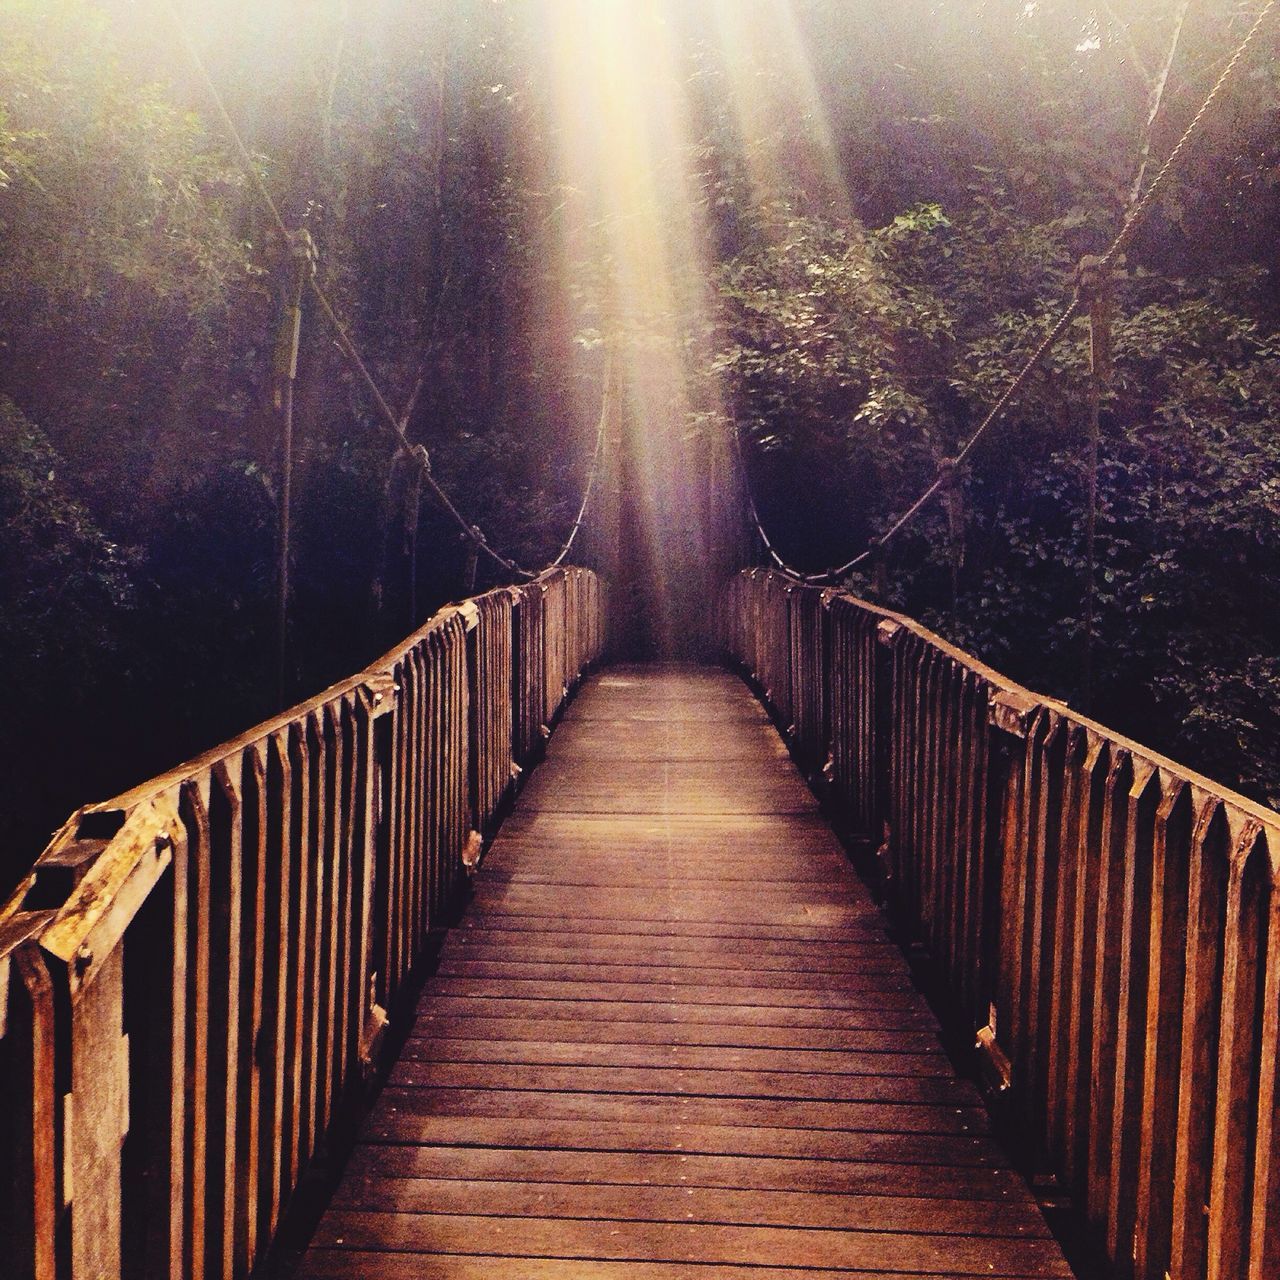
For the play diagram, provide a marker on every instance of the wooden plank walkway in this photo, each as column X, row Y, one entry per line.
column 671, row 1039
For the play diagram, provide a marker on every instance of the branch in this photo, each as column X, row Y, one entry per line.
column 1157, row 98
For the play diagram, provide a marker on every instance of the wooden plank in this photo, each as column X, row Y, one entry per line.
column 870, row 957
column 723, row 909
column 651, row 740
column 506, row 1163
column 596, row 1134
column 682, row 1081
column 807, row 834
column 682, row 1203
column 404, row 1104
column 650, row 872
column 672, row 931
column 925, row 1063
column 329, row 1264
column 691, row 1242
column 888, row 974
column 672, row 1013
column 514, row 932
column 922, row 1038
column 876, row 992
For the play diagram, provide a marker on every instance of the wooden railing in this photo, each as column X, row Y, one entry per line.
column 1106, row 922
column 194, row 978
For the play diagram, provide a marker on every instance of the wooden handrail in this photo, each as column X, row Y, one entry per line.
column 1106, row 921
column 194, row 978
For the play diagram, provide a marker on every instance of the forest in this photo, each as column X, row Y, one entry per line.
column 830, row 228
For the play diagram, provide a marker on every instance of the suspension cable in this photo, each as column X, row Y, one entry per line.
column 1136, row 216
column 347, row 345
column 593, row 472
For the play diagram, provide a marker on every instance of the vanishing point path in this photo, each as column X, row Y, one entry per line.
column 670, row 1038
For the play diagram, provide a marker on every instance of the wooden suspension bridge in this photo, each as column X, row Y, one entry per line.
column 665, row 1028
column 668, row 1029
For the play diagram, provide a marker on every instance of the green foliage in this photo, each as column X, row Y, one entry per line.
column 64, row 583
column 109, row 183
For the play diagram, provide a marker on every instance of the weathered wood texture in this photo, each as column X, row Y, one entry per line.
column 1107, row 921
column 194, row 977
column 671, row 1038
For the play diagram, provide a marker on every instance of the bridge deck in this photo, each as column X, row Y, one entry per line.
column 671, row 1038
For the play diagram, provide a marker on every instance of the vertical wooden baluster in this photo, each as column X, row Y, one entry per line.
column 343, row 921
column 1041, row 907
column 415, row 833
column 871, row 751
column 1243, row 978
column 1106, row 988
column 279, row 893
column 926, row 797
column 436, row 813
column 968, row 851
column 97, row 1120
column 1088, row 854
column 309, row 936
column 844, row 720
column 460, row 759
column 296, row 945
column 437, row 714
column 153, row 1221
column 1208, row 871
column 503, row 675
column 1166, row 944
column 1264, row 1251
column 897, row 726
column 912, row 774
column 1062, row 970
column 196, row 816
column 411, row 885
column 864, row 746
column 480, row 715
column 997, row 785
column 1017, row 857
column 317, row 961
column 38, row 988
column 226, row 883
column 935, row 810
column 389, row 781
column 902, row 727
column 374, row 737
column 406, row 900
column 927, row 800
column 953, row 811
column 457, row 758
column 254, row 1032
column 329, row 727
column 1131, row 1019
column 841, row 717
